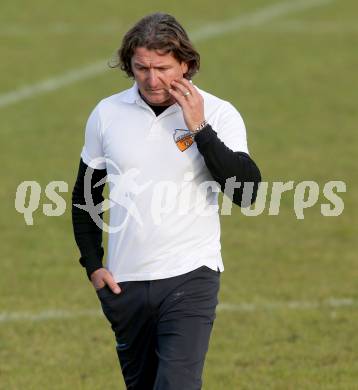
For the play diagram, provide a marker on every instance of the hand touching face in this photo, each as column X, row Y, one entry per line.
column 190, row 100
column 154, row 72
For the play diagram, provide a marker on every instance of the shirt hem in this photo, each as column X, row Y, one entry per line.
column 164, row 275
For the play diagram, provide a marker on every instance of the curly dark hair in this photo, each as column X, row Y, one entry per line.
column 158, row 31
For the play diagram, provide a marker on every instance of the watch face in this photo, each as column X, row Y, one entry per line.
column 183, row 139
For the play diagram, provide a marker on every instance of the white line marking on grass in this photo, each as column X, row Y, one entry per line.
column 291, row 305
column 256, row 18
column 57, row 314
column 52, row 84
column 297, row 26
column 15, row 30
column 214, row 29
column 44, row 315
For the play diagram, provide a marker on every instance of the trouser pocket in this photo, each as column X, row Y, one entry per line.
column 111, row 303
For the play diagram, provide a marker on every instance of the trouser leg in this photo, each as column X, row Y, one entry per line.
column 134, row 326
column 185, row 323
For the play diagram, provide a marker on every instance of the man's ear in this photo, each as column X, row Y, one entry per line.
column 184, row 68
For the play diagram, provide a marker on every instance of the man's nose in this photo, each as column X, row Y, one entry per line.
column 152, row 78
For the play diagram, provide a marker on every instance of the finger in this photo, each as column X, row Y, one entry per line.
column 178, row 96
column 188, row 86
column 97, row 281
column 112, row 284
column 98, row 286
column 191, row 87
column 181, row 88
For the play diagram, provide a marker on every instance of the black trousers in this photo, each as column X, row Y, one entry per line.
column 162, row 328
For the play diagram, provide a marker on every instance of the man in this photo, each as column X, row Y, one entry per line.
column 162, row 144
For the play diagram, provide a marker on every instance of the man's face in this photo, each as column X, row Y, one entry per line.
column 153, row 72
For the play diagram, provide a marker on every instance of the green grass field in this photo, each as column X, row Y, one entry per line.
column 289, row 295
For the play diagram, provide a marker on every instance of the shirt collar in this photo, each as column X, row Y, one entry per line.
column 130, row 95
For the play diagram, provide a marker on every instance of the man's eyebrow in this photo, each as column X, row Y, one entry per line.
column 136, row 63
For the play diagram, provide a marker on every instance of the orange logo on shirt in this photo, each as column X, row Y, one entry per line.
column 183, row 139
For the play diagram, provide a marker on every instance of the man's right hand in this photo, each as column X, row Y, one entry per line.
column 102, row 277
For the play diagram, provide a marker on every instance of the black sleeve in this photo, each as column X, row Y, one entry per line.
column 223, row 163
column 88, row 235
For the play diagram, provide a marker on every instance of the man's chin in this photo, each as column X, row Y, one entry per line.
column 158, row 99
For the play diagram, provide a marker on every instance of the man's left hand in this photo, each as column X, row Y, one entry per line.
column 190, row 100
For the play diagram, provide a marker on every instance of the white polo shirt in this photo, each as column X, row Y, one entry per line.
column 163, row 216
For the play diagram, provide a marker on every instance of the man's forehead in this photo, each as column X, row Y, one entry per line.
column 153, row 56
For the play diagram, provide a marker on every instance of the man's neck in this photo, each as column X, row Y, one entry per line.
column 158, row 109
